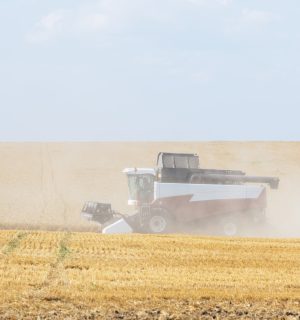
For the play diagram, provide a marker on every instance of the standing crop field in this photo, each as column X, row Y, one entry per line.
column 62, row 274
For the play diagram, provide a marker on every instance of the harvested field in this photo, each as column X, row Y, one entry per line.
column 57, row 275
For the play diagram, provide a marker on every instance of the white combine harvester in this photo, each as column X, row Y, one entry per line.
column 177, row 194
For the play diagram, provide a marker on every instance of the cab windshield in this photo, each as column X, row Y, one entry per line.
column 141, row 187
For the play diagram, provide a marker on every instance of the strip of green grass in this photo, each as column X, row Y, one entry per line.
column 63, row 249
column 14, row 243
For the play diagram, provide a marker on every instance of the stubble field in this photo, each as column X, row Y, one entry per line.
column 57, row 275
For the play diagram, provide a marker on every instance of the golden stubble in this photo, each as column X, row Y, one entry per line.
column 95, row 269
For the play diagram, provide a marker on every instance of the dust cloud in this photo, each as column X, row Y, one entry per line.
column 44, row 185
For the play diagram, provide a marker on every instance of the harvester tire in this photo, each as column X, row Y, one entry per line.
column 160, row 222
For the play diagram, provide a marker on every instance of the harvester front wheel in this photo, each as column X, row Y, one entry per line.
column 159, row 222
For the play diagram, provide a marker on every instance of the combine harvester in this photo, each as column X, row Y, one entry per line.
column 179, row 195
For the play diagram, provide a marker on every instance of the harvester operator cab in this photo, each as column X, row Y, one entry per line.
column 140, row 185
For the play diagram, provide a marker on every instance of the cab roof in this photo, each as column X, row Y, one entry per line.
column 139, row 171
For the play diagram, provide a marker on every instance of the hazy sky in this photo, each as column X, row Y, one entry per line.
column 149, row 70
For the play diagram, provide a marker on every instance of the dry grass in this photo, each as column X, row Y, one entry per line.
column 79, row 274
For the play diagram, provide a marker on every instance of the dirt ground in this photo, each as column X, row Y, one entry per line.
column 204, row 309
column 44, row 185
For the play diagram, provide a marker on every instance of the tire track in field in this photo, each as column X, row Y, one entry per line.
column 8, row 249
column 56, row 191
column 42, row 179
column 51, row 194
column 53, row 277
